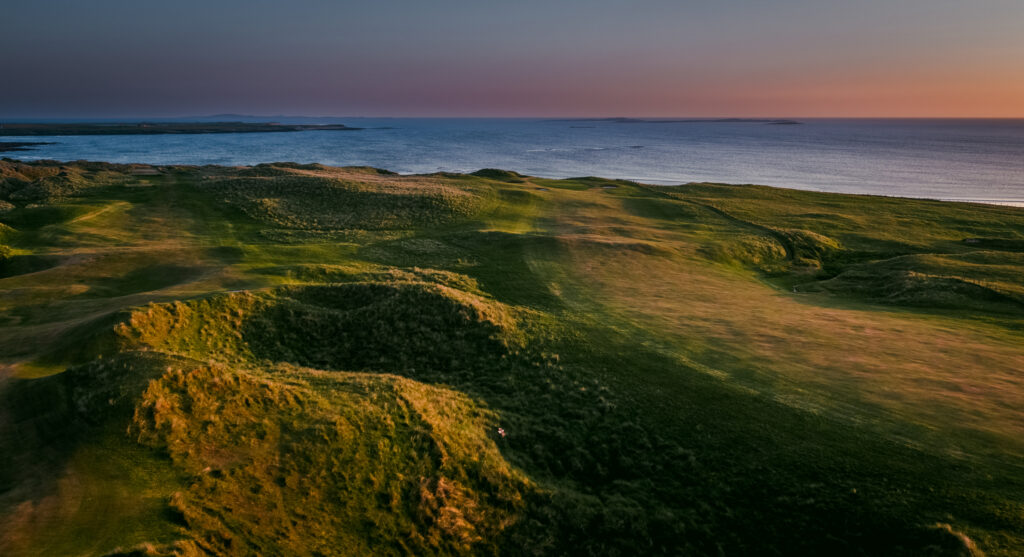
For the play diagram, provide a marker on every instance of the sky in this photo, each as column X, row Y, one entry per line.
column 554, row 58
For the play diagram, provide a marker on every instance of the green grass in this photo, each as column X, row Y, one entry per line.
column 299, row 359
column 297, row 461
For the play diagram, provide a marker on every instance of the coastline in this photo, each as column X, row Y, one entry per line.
column 929, row 160
column 1015, row 203
column 158, row 128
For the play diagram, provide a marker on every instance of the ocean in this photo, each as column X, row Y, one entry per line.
column 957, row 160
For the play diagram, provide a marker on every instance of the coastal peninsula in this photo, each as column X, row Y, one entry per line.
column 159, row 128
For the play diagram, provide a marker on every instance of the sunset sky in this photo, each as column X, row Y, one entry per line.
column 121, row 58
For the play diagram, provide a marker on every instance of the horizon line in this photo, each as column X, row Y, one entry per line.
column 463, row 117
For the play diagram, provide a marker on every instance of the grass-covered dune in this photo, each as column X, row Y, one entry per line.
column 294, row 359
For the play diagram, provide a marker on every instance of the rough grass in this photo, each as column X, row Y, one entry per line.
column 355, row 326
column 763, row 253
column 22, row 184
column 298, row 359
column 316, row 198
column 978, row 280
column 912, row 288
column 297, row 461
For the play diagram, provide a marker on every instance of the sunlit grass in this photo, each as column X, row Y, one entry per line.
column 309, row 359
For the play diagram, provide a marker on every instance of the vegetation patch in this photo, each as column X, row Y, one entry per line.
column 498, row 174
column 46, row 181
column 303, row 201
column 299, row 359
column 808, row 248
column 13, row 265
column 295, row 461
column 313, row 273
column 356, row 326
column 763, row 253
column 979, row 281
column 916, row 289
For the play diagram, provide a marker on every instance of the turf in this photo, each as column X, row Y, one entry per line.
column 299, row 359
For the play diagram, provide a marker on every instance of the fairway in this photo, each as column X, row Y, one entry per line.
column 311, row 360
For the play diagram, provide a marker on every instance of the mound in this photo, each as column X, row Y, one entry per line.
column 912, row 288
column 288, row 460
column 45, row 181
column 302, row 462
column 313, row 273
column 6, row 233
column 284, row 459
column 759, row 252
column 398, row 327
column 498, row 174
column 807, row 247
column 311, row 200
column 981, row 280
column 776, row 251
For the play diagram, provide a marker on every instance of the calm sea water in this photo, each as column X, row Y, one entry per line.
column 962, row 160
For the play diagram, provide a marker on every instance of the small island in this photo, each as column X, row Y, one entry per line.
column 159, row 128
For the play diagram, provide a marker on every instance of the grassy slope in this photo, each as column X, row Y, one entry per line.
column 705, row 368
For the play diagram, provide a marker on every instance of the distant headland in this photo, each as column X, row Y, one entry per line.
column 622, row 120
column 158, row 128
column 20, row 145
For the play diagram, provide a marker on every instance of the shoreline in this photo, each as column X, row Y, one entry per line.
column 660, row 183
column 927, row 161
